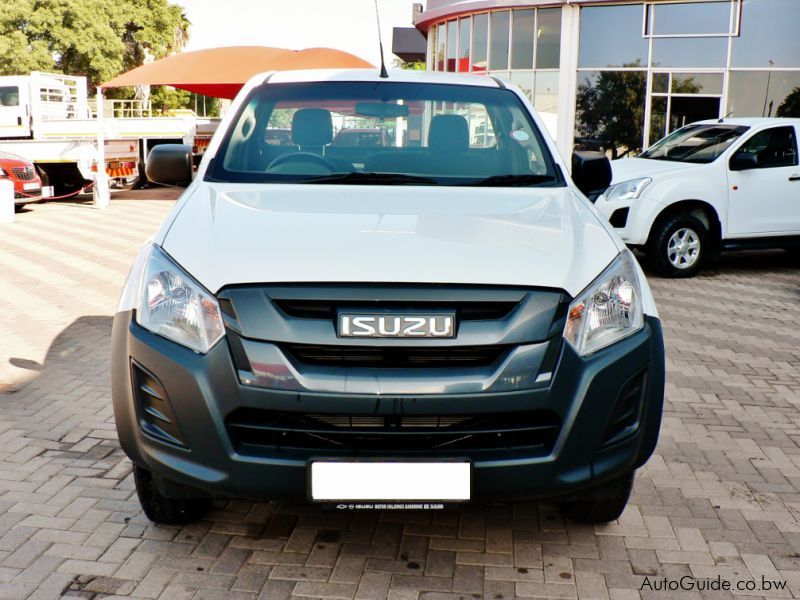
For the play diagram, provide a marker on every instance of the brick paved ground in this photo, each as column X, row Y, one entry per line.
column 719, row 498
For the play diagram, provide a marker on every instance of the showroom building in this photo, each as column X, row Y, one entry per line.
column 619, row 75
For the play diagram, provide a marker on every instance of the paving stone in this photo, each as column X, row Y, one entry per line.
column 721, row 495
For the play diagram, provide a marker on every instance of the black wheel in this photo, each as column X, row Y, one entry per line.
column 161, row 509
column 18, row 207
column 602, row 504
column 678, row 246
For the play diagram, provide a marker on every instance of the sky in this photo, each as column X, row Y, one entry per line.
column 343, row 24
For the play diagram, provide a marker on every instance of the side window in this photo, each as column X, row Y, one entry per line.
column 775, row 147
column 9, row 96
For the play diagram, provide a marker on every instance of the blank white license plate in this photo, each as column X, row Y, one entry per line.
column 377, row 481
column 30, row 186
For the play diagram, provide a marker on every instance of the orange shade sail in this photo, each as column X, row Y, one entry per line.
column 221, row 72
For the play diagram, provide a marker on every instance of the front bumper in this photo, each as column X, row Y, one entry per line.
column 206, row 458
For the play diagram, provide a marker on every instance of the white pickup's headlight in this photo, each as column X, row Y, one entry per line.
column 174, row 305
column 627, row 190
column 608, row 310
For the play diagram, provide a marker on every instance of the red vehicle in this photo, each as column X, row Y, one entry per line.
column 27, row 183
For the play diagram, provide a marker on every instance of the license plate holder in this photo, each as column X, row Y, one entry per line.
column 381, row 480
column 30, row 186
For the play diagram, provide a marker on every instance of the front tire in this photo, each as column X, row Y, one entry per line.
column 678, row 246
column 602, row 504
column 160, row 508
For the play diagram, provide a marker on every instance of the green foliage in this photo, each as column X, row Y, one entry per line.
column 610, row 111
column 95, row 38
column 163, row 98
column 409, row 66
column 790, row 107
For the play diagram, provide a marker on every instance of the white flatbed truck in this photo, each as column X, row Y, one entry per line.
column 48, row 119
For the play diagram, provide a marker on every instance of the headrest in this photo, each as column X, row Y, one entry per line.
column 312, row 127
column 448, row 133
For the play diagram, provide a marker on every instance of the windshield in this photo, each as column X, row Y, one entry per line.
column 695, row 143
column 376, row 133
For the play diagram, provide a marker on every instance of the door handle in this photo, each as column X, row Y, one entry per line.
column 794, row 178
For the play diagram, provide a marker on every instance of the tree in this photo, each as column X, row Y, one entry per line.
column 790, row 107
column 94, row 38
column 610, row 110
column 418, row 65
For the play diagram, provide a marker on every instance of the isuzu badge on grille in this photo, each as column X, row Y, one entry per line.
column 439, row 325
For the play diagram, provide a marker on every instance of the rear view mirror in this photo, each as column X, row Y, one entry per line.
column 381, row 110
column 591, row 172
column 170, row 164
column 743, row 161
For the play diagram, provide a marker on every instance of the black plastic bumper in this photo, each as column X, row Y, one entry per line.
column 204, row 390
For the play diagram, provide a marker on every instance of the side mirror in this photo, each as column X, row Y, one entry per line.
column 591, row 172
column 170, row 164
column 743, row 161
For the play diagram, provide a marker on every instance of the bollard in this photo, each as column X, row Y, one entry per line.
column 6, row 201
column 100, row 194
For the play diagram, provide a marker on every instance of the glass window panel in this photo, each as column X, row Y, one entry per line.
column 660, row 83
column 431, row 50
column 658, row 119
column 610, row 111
column 769, row 34
column 440, row 48
column 690, row 52
column 611, row 36
column 522, row 39
column 523, row 79
column 692, row 18
column 463, row 44
column 697, row 83
column 545, row 99
column 452, row 44
column 548, row 39
column 480, row 41
column 764, row 94
column 498, row 53
column 687, row 109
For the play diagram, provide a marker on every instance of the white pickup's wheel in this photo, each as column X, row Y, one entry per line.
column 677, row 246
column 683, row 248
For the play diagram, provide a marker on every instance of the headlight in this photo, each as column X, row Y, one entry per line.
column 173, row 305
column 608, row 310
column 627, row 190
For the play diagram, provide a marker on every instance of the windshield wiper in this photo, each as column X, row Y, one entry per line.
column 513, row 180
column 373, row 179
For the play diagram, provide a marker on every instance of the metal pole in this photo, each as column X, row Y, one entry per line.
column 100, row 193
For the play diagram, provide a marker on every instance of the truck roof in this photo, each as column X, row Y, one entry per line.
column 752, row 121
column 373, row 75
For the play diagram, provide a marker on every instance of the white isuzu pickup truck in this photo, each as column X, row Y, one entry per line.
column 727, row 184
column 440, row 318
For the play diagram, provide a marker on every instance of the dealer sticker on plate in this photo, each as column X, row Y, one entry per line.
column 394, row 482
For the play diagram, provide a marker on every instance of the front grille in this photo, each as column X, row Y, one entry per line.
column 24, row 173
column 254, row 431
column 395, row 357
column 465, row 310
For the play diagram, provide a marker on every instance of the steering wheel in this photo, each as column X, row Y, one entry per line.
column 307, row 157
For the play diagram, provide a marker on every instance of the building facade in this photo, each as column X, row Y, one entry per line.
column 619, row 75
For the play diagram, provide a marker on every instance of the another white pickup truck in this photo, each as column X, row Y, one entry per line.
column 710, row 186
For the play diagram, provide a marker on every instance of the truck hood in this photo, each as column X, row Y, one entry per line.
column 633, row 168
column 225, row 234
